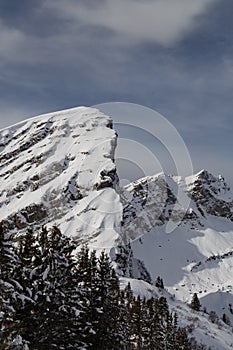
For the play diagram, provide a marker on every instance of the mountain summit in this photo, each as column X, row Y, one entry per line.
column 58, row 168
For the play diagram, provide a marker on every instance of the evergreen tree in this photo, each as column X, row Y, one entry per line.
column 159, row 283
column 195, row 303
column 86, row 268
column 226, row 319
column 103, row 311
column 51, row 320
column 169, row 333
column 136, row 317
column 107, row 302
column 147, row 321
column 161, row 315
column 27, row 254
column 182, row 342
column 10, row 293
column 125, row 325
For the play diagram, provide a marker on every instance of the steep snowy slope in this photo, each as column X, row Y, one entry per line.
column 217, row 335
column 59, row 168
column 198, row 255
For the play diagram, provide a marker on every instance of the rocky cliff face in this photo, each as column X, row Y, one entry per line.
column 211, row 194
column 154, row 200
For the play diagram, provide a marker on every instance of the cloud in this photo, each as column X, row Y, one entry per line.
column 74, row 28
column 9, row 39
column 161, row 21
column 16, row 46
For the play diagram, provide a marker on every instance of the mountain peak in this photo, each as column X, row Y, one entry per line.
column 59, row 168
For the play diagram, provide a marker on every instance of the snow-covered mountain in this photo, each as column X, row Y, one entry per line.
column 197, row 257
column 59, row 169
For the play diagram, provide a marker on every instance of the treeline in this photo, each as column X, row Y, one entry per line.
column 52, row 299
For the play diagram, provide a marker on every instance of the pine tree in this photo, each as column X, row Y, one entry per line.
column 103, row 310
column 125, row 325
column 51, row 320
column 83, row 265
column 107, row 303
column 10, row 293
column 226, row 319
column 128, row 295
column 160, row 311
column 86, row 268
column 27, row 254
column 182, row 342
column 169, row 334
column 159, row 283
column 146, row 325
column 195, row 303
column 136, row 319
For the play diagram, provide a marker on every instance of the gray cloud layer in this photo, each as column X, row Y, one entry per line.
column 128, row 22
column 172, row 55
column 164, row 22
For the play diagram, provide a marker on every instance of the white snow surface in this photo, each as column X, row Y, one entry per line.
column 58, row 169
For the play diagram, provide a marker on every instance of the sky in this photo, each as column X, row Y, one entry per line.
column 174, row 56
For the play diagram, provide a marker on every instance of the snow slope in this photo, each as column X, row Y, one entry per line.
column 217, row 335
column 59, row 168
column 197, row 257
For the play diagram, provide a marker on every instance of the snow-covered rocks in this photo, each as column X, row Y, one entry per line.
column 197, row 257
column 211, row 194
column 59, row 169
